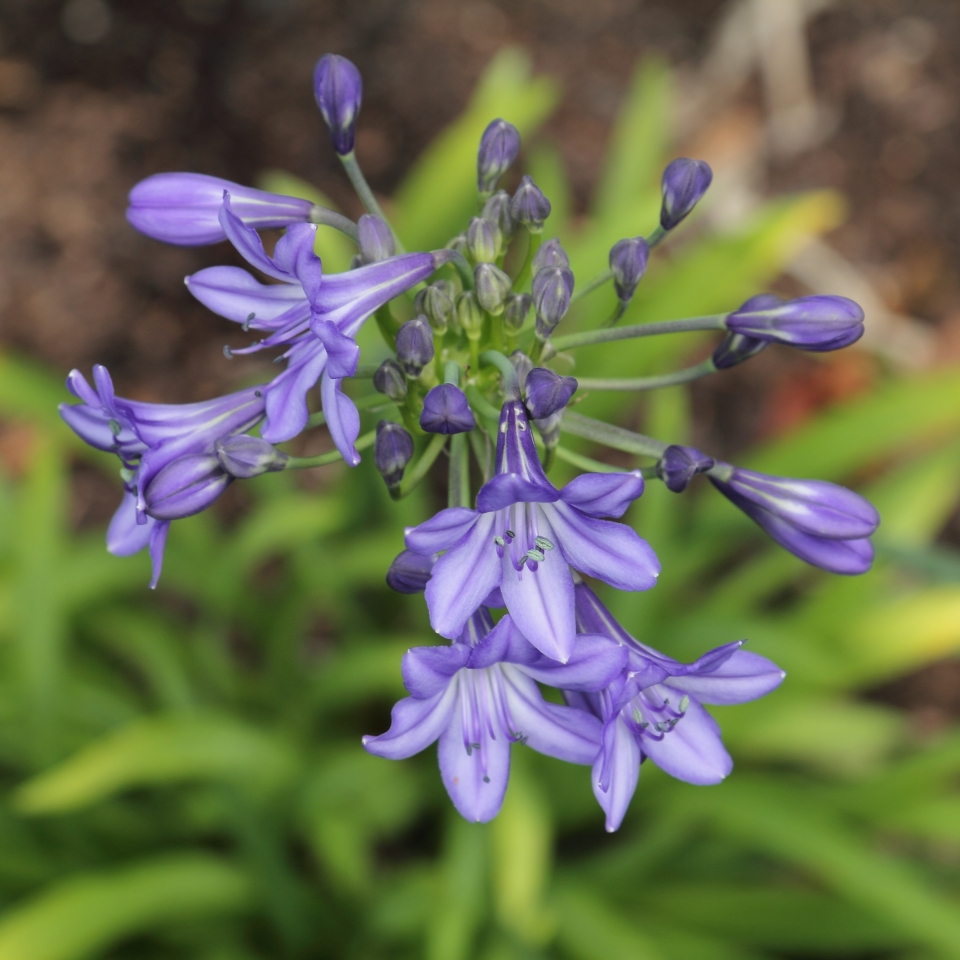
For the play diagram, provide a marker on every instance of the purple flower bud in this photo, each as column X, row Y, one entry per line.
column 816, row 323
column 523, row 365
column 497, row 210
column 492, row 286
column 529, row 206
column 414, row 346
column 552, row 289
column 628, row 263
column 484, row 240
column 516, row 307
column 550, row 254
column 338, row 88
column 184, row 208
column 734, row 348
column 392, row 451
column 446, row 410
column 549, row 428
column 499, row 147
column 470, row 314
column 244, row 456
column 389, row 380
column 375, row 239
column 186, row 486
column 547, row 392
column 436, row 302
column 822, row 523
column 409, row 572
column 679, row 465
column 684, row 183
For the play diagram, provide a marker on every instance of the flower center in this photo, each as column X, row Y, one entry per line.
column 484, row 711
column 521, row 537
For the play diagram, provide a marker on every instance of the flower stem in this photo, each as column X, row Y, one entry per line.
column 714, row 321
column 321, row 460
column 458, row 494
column 596, row 466
column 611, row 436
column 463, row 269
column 375, row 401
column 656, row 236
column 532, row 247
column 650, row 383
column 330, row 218
column 413, row 478
column 365, row 194
column 480, row 444
column 511, row 385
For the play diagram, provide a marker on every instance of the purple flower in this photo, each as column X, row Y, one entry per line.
column 186, row 486
column 184, row 208
column 479, row 696
column 389, row 379
column 550, row 254
column 529, row 206
column 817, row 323
column 338, row 88
column 552, row 289
column 516, row 307
column 684, row 183
column 409, row 572
column 374, row 239
column 820, row 522
column 246, row 457
column 679, row 465
column 147, row 437
column 446, row 410
column 525, row 536
column 628, row 263
column 415, row 346
column 547, row 392
column 654, row 709
column 497, row 210
column 499, row 147
column 392, row 451
column 315, row 318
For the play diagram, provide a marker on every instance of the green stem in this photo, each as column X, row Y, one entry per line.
column 511, row 385
column 463, row 269
column 427, row 458
column 714, row 321
column 365, row 370
column 611, row 436
column 458, row 494
column 474, row 354
column 618, row 312
column 330, row 218
column 451, row 373
column 321, row 460
column 585, row 463
column 536, row 349
column 365, row 194
column 374, row 401
column 532, row 247
column 650, row 383
column 656, row 236
column 480, row 444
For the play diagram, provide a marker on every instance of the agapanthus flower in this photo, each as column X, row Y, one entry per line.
column 478, row 696
column 314, row 317
column 654, row 709
column 818, row 323
column 524, row 537
column 148, row 438
column 823, row 523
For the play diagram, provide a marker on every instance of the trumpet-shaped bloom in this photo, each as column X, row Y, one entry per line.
column 479, row 696
column 315, row 318
column 148, row 437
column 524, row 537
column 654, row 709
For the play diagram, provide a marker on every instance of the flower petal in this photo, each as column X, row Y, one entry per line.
column 509, row 488
column 618, row 769
column 603, row 494
column 125, row 536
column 742, row 677
column 594, row 663
column 286, row 395
column 343, row 418
column 441, row 531
column 692, row 750
column 248, row 244
column 233, row 293
column 158, row 542
column 343, row 354
column 294, row 255
column 427, row 670
column 414, row 725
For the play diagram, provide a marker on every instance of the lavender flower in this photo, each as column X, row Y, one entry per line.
column 446, row 410
column 147, row 437
column 679, row 465
column 409, row 572
column 414, row 346
column 479, row 696
column 654, row 709
column 184, row 208
column 552, row 289
column 817, row 323
column 529, row 206
column 820, row 522
column 628, row 263
column 684, row 183
column 525, row 536
column 547, row 392
column 499, row 147
column 374, row 239
column 186, row 486
column 245, row 457
column 338, row 88
column 392, row 451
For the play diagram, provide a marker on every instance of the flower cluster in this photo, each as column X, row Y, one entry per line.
column 471, row 329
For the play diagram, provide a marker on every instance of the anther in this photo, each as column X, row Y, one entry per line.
column 115, row 427
column 536, row 555
column 486, row 779
column 126, row 475
column 227, row 352
column 638, row 716
column 258, row 393
column 509, row 534
column 543, row 543
column 499, row 541
column 684, row 703
column 248, row 321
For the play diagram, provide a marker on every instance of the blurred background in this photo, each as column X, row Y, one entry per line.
column 182, row 772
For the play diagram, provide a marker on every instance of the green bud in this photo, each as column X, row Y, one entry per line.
column 470, row 314
column 492, row 286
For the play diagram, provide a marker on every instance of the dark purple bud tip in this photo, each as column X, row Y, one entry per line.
column 547, row 392
column 244, row 456
column 550, row 254
column 816, row 323
column 552, row 289
column 734, row 348
column 497, row 210
column 409, row 572
column 499, row 147
column 186, row 486
column 415, row 345
column 484, row 240
column 375, row 239
column 492, row 286
column 529, row 206
column 628, row 263
column 684, row 183
column 389, row 380
column 338, row 87
column 446, row 410
column 392, row 451
column 679, row 465
column 516, row 309
column 436, row 302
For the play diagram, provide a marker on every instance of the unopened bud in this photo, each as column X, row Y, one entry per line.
column 550, row 254
column 523, row 365
column 392, row 451
column 734, row 348
column 389, row 380
column 497, row 210
column 458, row 243
column 492, row 286
column 547, row 392
column 549, row 428
column 470, row 314
column 186, row 486
column 552, row 289
column 529, row 206
column 375, row 239
column 436, row 302
column 338, row 88
column 628, row 263
column 410, row 572
column 414, row 346
column 499, row 147
column 684, row 183
column 679, row 465
column 244, row 456
column 484, row 240
column 446, row 410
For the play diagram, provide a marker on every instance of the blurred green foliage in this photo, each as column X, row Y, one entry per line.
column 183, row 771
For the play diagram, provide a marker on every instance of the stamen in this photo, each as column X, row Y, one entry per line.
column 509, row 534
column 543, row 543
column 248, row 321
column 127, row 475
column 536, row 555
column 499, row 541
column 684, row 703
column 227, row 352
column 115, row 427
column 258, row 393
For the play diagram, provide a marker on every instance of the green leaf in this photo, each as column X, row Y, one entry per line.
column 590, row 930
column 88, row 913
